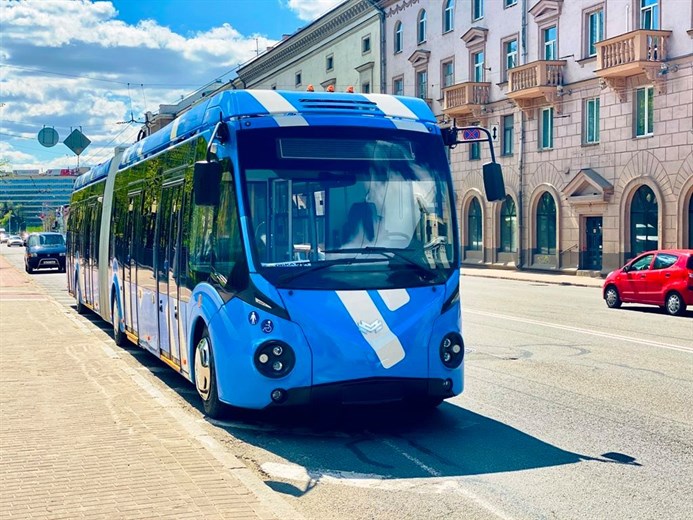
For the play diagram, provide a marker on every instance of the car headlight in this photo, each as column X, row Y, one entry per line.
column 62, row 254
column 452, row 350
column 274, row 359
column 33, row 255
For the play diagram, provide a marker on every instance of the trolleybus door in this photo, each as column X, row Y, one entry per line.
column 161, row 261
column 174, row 249
column 89, row 261
column 132, row 237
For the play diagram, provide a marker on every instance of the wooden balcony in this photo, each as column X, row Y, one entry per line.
column 636, row 52
column 533, row 82
column 465, row 98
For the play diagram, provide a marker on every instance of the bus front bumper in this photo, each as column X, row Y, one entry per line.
column 368, row 391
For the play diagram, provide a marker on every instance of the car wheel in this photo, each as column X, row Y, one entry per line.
column 612, row 298
column 28, row 269
column 206, row 377
column 674, row 304
column 118, row 335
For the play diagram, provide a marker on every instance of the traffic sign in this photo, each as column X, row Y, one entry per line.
column 494, row 133
column 76, row 142
column 48, row 137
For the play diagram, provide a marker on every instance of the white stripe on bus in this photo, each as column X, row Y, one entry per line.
column 366, row 315
column 272, row 101
column 394, row 298
column 391, row 106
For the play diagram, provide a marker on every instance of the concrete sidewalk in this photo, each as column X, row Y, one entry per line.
column 86, row 433
column 533, row 276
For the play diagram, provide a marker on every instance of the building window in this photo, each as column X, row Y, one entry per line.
column 690, row 223
column 508, row 224
column 274, row 86
column 510, row 53
column 508, row 135
column 595, row 31
column 474, row 151
column 549, row 39
column 643, row 221
column 591, row 119
column 509, row 3
column 297, row 79
column 398, row 37
column 398, row 86
column 546, row 129
column 422, row 84
column 478, row 64
column 477, row 9
column 366, row 87
column 329, row 63
column 365, row 45
column 546, row 225
column 649, row 14
column 644, row 111
column 474, row 221
column 448, row 72
column 449, row 16
column 421, row 27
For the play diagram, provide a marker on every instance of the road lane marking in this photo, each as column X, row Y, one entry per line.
column 589, row 332
column 426, row 485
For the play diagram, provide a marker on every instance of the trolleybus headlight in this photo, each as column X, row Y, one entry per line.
column 452, row 350
column 274, row 359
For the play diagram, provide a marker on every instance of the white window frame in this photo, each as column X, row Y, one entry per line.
column 592, row 120
column 546, row 129
column 419, row 93
column 444, row 77
column 449, row 16
column 648, row 122
column 395, row 81
column 421, row 27
column 398, row 41
column 477, row 10
column 655, row 15
column 478, row 69
column 590, row 38
column 549, row 44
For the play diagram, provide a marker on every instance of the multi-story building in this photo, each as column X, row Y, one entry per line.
column 35, row 197
column 341, row 49
column 591, row 103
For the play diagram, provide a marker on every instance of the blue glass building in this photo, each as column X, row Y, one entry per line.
column 36, row 195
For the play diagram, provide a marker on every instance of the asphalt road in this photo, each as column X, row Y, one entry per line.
column 571, row 410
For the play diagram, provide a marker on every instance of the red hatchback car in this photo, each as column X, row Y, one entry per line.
column 663, row 278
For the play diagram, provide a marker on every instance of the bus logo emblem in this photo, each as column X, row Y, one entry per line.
column 366, row 328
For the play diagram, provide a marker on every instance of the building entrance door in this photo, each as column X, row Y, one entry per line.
column 592, row 251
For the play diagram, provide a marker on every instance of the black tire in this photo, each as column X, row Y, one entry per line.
column 81, row 308
column 674, row 304
column 28, row 269
column 612, row 298
column 118, row 335
column 206, row 377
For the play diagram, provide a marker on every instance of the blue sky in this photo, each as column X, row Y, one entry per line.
column 96, row 65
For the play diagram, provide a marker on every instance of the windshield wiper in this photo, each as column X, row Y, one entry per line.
column 324, row 264
column 390, row 253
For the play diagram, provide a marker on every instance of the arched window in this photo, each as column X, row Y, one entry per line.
column 398, row 37
column 508, row 224
column 690, row 223
column 474, row 234
column 546, row 225
column 421, row 27
column 643, row 221
column 449, row 16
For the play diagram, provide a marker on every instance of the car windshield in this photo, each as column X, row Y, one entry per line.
column 51, row 240
column 349, row 208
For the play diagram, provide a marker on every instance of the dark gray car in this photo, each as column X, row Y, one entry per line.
column 45, row 251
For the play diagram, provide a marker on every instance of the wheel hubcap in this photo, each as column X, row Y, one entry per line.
column 611, row 296
column 674, row 304
column 202, row 369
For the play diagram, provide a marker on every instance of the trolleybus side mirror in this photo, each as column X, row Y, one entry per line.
column 493, row 182
column 206, row 183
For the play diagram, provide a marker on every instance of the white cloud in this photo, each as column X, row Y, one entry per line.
column 72, row 63
column 309, row 10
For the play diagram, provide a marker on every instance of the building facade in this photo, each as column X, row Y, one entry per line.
column 591, row 104
column 36, row 197
column 341, row 49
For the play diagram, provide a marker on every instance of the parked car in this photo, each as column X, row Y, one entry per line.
column 3, row 238
column 663, row 278
column 44, row 251
column 15, row 240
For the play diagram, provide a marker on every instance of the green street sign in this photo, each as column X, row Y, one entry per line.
column 76, row 142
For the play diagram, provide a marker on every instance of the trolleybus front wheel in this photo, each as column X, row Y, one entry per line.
column 118, row 335
column 206, row 378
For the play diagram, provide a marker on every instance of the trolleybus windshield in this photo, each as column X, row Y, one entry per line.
column 346, row 207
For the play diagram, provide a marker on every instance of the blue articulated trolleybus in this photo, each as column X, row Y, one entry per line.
column 281, row 248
